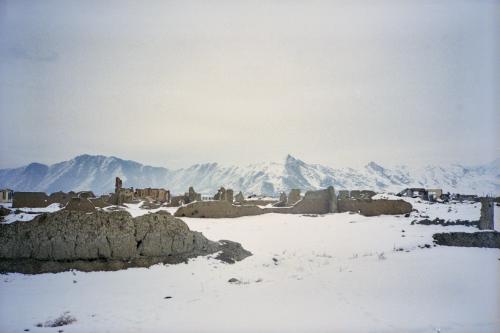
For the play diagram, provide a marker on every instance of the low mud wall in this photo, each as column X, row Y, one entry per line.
column 445, row 223
column 217, row 209
column 259, row 202
column 368, row 207
column 30, row 200
column 314, row 202
column 103, row 241
column 490, row 239
column 487, row 219
column 41, row 199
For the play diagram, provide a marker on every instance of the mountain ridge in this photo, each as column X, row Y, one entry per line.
column 97, row 173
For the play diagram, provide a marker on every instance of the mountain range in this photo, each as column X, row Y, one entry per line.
column 97, row 173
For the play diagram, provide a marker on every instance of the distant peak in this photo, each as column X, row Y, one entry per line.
column 292, row 162
column 290, row 158
column 374, row 166
column 35, row 165
column 88, row 157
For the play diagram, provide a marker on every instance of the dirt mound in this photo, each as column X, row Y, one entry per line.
column 81, row 204
column 103, row 241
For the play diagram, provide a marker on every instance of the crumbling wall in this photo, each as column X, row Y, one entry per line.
column 229, row 195
column 103, row 241
column 239, row 198
column 283, row 200
column 487, row 219
column 220, row 193
column 355, row 194
column 176, row 201
column 101, row 202
column 30, row 199
column 6, row 195
column 192, row 196
column 80, row 204
column 156, row 194
column 362, row 194
column 314, row 202
column 293, row 197
column 369, row 207
column 223, row 194
column 41, row 199
column 217, row 209
column 124, row 195
column 118, row 184
column 61, row 197
column 343, row 194
column 85, row 194
column 121, row 195
column 259, row 202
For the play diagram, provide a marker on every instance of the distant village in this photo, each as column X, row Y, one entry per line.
column 129, row 195
column 107, row 233
column 225, row 204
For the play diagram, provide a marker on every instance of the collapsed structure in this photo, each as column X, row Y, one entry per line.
column 41, row 199
column 314, row 202
column 225, row 195
column 428, row 194
column 225, row 204
column 87, row 199
column 103, row 240
column 128, row 195
column 6, row 195
column 155, row 194
column 190, row 196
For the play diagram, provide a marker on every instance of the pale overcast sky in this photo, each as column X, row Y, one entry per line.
column 173, row 83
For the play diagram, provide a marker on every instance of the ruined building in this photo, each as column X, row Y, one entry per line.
column 361, row 202
column 121, row 195
column 190, row 196
column 225, row 195
column 6, row 195
column 314, row 202
column 283, row 200
column 155, row 194
column 30, row 199
column 239, row 197
column 128, row 195
column 293, row 197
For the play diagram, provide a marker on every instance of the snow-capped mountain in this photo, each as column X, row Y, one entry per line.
column 97, row 173
column 84, row 172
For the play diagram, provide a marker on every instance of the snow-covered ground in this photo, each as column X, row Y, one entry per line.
column 136, row 210
column 28, row 214
column 452, row 211
column 337, row 272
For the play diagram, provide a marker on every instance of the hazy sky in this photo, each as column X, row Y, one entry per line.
column 173, row 83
